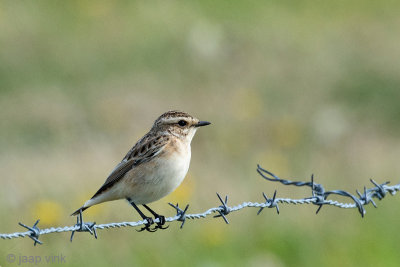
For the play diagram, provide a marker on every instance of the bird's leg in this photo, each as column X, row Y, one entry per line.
column 161, row 218
column 144, row 217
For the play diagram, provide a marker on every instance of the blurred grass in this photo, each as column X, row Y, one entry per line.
column 300, row 87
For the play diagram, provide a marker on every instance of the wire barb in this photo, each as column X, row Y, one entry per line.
column 84, row 227
column 269, row 203
column 223, row 210
column 379, row 191
column 181, row 213
column 318, row 192
column 34, row 232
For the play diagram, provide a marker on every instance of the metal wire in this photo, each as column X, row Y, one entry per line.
column 318, row 197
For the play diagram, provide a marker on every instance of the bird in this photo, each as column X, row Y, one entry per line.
column 153, row 168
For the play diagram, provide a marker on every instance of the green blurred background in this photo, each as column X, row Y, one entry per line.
column 300, row 87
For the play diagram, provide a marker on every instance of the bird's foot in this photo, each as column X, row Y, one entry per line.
column 149, row 222
column 161, row 222
column 159, row 225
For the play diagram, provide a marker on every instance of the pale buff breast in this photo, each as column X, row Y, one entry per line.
column 159, row 177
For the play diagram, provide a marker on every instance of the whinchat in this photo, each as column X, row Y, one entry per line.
column 153, row 168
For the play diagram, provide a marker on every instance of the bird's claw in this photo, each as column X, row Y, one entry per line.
column 148, row 229
column 150, row 221
column 161, row 222
column 147, row 225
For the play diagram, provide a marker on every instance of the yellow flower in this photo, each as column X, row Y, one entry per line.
column 49, row 212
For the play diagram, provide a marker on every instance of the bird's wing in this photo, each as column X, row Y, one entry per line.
column 143, row 151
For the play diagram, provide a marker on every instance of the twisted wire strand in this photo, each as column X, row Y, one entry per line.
column 319, row 197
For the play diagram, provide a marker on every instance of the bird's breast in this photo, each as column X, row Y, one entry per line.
column 172, row 169
column 162, row 175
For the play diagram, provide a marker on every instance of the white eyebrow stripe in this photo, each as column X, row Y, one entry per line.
column 174, row 120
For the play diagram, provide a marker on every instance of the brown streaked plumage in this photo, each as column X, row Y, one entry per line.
column 154, row 166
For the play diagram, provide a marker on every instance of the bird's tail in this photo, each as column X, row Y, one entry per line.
column 81, row 209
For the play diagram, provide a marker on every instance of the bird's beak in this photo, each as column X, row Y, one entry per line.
column 202, row 123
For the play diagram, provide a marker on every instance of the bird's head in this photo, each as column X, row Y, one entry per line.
column 179, row 124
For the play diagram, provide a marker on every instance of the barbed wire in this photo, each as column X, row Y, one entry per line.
column 318, row 197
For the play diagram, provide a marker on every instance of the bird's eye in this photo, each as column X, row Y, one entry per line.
column 182, row 123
